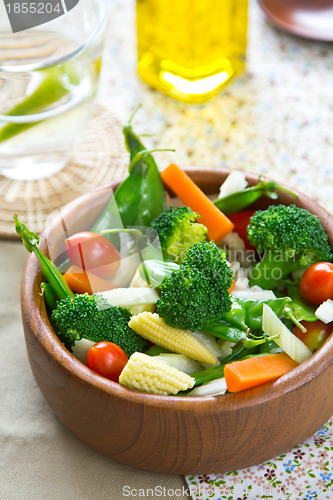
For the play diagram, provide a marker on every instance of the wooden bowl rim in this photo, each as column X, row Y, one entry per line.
column 301, row 375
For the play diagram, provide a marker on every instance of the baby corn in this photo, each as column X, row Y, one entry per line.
column 148, row 374
column 153, row 328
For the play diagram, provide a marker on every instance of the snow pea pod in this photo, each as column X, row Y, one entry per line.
column 235, row 319
column 237, row 314
column 49, row 295
column 132, row 141
column 254, row 310
column 50, row 271
column 242, row 199
column 225, row 331
column 140, row 197
column 270, row 347
column 298, row 310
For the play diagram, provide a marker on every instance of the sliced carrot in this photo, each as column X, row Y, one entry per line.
column 251, row 372
column 232, row 285
column 217, row 223
column 80, row 281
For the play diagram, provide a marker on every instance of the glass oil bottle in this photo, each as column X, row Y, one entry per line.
column 190, row 49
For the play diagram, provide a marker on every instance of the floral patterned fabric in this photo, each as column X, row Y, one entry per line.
column 305, row 472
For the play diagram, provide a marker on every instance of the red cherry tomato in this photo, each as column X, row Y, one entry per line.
column 107, row 359
column 93, row 252
column 241, row 221
column 316, row 284
column 316, row 334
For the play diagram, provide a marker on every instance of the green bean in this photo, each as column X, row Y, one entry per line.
column 242, row 199
column 215, row 372
column 140, row 198
column 49, row 295
column 225, row 331
column 254, row 310
column 298, row 310
column 50, row 271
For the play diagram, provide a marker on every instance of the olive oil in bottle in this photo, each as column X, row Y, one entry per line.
column 189, row 49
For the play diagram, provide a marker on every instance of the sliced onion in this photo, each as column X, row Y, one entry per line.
column 235, row 182
column 253, row 293
column 128, row 297
column 80, row 349
column 291, row 344
column 325, row 311
column 211, row 388
column 180, row 361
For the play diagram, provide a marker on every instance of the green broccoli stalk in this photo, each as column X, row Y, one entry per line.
column 290, row 238
column 198, row 292
column 92, row 317
column 178, row 231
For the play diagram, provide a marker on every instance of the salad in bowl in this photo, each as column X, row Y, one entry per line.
column 179, row 321
column 177, row 292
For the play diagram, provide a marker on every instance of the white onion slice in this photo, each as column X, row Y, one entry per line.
column 291, row 344
column 128, row 297
column 325, row 311
column 211, row 388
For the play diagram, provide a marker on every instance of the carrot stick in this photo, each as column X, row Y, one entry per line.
column 217, row 223
column 251, row 372
column 80, row 281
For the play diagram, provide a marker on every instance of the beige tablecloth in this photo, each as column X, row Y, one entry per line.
column 39, row 458
column 275, row 120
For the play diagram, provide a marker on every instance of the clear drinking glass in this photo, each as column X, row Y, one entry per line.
column 48, row 80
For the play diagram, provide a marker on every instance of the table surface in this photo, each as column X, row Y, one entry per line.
column 274, row 120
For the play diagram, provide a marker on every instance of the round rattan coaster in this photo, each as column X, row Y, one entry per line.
column 100, row 157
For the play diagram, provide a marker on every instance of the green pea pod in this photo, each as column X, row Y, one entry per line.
column 225, row 331
column 257, row 355
column 254, row 310
column 243, row 199
column 140, row 197
column 270, row 347
column 237, row 314
column 49, row 269
column 233, row 323
column 132, row 141
column 57, row 83
column 49, row 295
column 298, row 309
column 258, row 341
column 155, row 350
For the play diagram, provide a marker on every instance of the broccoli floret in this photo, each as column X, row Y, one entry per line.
column 198, row 292
column 178, row 231
column 92, row 317
column 291, row 238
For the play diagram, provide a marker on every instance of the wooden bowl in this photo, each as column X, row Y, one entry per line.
column 183, row 435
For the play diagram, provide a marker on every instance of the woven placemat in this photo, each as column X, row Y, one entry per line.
column 100, row 157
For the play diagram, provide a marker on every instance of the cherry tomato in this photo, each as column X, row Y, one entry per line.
column 241, row 221
column 93, row 252
column 80, row 281
column 316, row 284
column 107, row 359
column 316, row 334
